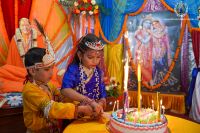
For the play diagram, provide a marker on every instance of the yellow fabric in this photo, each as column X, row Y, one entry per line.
column 175, row 125
column 35, row 99
column 179, row 125
column 113, row 55
column 174, row 102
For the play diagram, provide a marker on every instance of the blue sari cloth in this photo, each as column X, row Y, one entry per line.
column 72, row 80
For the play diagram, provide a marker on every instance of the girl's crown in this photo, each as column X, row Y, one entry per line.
column 95, row 45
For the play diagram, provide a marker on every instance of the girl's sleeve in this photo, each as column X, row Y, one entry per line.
column 70, row 77
column 102, row 87
column 103, row 90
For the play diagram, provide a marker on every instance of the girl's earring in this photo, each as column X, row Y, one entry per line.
column 80, row 61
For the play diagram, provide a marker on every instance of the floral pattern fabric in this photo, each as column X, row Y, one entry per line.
column 11, row 100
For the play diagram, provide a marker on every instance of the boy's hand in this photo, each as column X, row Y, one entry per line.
column 84, row 110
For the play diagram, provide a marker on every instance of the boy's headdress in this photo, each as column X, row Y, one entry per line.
column 49, row 58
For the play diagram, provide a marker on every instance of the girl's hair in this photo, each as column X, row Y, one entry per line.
column 82, row 47
column 34, row 55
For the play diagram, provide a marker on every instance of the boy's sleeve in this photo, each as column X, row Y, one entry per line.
column 70, row 77
column 39, row 101
column 58, row 97
column 61, row 110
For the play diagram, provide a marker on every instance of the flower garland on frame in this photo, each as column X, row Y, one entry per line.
column 166, row 77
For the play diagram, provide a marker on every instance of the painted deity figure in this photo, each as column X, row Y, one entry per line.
column 144, row 44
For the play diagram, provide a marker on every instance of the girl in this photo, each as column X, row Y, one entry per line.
column 40, row 97
column 82, row 81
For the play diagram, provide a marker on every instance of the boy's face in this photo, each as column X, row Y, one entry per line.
column 43, row 74
column 91, row 58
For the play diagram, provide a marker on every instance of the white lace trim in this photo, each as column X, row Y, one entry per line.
column 47, row 109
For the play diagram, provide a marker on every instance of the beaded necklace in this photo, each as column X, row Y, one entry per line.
column 83, row 81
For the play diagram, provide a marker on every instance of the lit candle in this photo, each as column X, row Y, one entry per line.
column 117, row 104
column 114, row 106
column 163, row 108
column 139, row 83
column 152, row 104
column 139, row 70
column 129, row 99
column 126, row 69
column 140, row 101
column 158, row 105
column 136, row 117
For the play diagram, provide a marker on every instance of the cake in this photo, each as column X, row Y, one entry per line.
column 145, row 121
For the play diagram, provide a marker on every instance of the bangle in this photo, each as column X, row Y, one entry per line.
column 87, row 100
column 78, row 114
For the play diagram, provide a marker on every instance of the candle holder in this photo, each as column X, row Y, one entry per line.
column 126, row 106
column 152, row 104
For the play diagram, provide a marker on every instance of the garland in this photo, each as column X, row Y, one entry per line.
column 120, row 35
column 123, row 26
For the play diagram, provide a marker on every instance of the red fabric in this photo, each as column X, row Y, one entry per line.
column 196, row 45
column 8, row 9
column 24, row 8
column 9, row 16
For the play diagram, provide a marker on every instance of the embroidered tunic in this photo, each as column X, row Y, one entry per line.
column 94, row 88
column 41, row 108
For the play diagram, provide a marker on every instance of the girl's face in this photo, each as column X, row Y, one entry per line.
column 91, row 58
column 43, row 74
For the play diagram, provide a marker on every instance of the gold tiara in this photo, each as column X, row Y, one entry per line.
column 95, row 45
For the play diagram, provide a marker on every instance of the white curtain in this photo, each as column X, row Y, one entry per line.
column 195, row 109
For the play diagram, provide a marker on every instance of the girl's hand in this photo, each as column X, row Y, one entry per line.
column 102, row 103
column 96, row 107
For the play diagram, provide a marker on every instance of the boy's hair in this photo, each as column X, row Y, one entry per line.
column 34, row 55
column 82, row 47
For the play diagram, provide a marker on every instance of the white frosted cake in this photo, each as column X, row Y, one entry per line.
column 143, row 122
